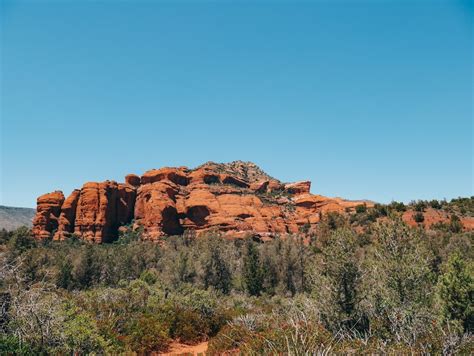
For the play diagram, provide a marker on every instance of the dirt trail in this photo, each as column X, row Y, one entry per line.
column 182, row 349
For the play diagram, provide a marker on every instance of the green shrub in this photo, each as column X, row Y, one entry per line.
column 455, row 292
column 435, row 204
column 81, row 334
column 11, row 345
column 64, row 278
column 230, row 337
column 20, row 241
column 397, row 284
column 418, row 217
column 360, row 209
column 380, row 210
column 149, row 276
column 397, row 206
column 145, row 334
column 419, row 205
column 455, row 225
column 193, row 315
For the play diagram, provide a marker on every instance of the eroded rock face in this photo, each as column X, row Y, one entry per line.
column 68, row 216
column 102, row 208
column 234, row 198
column 132, row 179
column 48, row 210
column 298, row 187
column 155, row 209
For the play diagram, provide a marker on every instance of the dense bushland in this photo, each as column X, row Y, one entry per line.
column 388, row 289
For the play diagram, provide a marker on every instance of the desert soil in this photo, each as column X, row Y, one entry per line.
column 182, row 349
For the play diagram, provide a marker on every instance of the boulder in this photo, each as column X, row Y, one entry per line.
column 298, row 187
column 175, row 175
column 132, row 179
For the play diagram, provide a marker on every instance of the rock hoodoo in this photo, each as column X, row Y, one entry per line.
column 47, row 215
column 234, row 198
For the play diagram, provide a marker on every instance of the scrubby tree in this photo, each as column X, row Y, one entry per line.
column 360, row 209
column 398, row 283
column 270, row 274
column 435, row 204
column 185, row 271
column 455, row 224
column 252, row 270
column 85, row 271
column 217, row 273
column 380, row 210
column 418, row 217
column 147, row 334
column 419, row 205
column 20, row 241
column 334, row 278
column 397, row 206
column 64, row 278
column 455, row 292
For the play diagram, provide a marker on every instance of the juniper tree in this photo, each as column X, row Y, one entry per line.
column 455, row 293
column 252, row 270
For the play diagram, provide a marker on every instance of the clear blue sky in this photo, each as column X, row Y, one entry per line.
column 367, row 99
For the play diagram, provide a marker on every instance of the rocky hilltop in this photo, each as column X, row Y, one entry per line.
column 235, row 198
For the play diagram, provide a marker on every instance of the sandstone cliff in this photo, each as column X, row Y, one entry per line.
column 235, row 198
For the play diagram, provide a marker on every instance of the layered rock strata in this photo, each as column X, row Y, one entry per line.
column 234, row 198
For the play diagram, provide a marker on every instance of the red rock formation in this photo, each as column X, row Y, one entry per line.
column 47, row 214
column 467, row 223
column 132, row 179
column 155, row 209
column 175, row 175
column 432, row 217
column 125, row 203
column 68, row 216
column 102, row 208
column 234, row 198
column 94, row 212
column 298, row 187
column 260, row 186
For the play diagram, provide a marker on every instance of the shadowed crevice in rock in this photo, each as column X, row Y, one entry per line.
column 170, row 222
column 198, row 214
column 235, row 181
column 211, row 179
column 244, row 216
column 178, row 179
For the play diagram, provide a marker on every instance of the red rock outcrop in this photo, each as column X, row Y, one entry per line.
column 93, row 212
column 68, row 216
column 156, row 210
column 102, row 208
column 235, row 198
column 298, row 187
column 48, row 210
column 132, row 179
column 432, row 217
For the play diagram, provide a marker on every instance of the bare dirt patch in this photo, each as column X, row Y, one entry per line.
column 182, row 349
